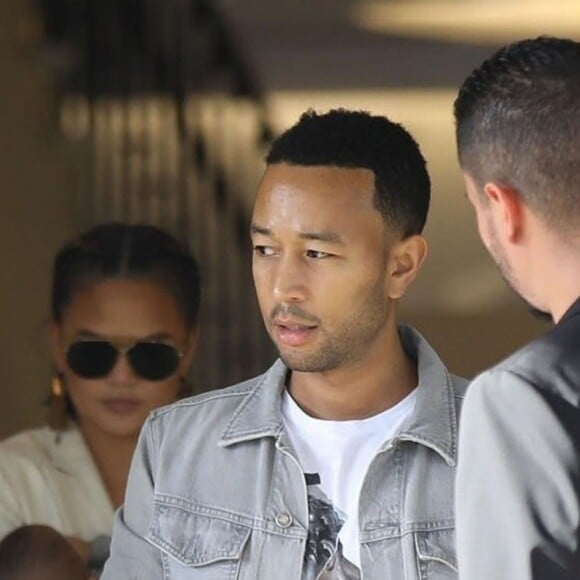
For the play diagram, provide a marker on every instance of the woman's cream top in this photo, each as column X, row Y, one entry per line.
column 50, row 478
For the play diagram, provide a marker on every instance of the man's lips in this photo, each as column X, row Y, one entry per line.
column 293, row 333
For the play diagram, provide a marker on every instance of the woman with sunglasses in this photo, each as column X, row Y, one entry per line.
column 125, row 301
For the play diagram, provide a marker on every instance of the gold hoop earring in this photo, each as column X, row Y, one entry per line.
column 57, row 406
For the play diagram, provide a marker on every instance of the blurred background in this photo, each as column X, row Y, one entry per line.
column 160, row 111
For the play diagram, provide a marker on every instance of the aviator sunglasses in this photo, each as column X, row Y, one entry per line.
column 95, row 359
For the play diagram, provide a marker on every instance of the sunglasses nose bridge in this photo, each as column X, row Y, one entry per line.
column 122, row 350
column 122, row 370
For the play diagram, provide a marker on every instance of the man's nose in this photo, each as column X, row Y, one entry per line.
column 290, row 281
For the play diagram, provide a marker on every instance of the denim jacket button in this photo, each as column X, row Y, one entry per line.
column 284, row 520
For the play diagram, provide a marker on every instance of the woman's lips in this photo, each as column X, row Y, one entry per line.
column 122, row 406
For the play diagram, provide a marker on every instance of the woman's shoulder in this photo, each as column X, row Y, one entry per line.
column 36, row 446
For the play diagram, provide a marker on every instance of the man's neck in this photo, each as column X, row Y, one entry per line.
column 558, row 274
column 358, row 391
column 563, row 303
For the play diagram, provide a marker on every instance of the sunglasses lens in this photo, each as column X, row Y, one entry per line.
column 91, row 359
column 154, row 361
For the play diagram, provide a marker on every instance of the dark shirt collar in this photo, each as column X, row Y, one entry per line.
column 574, row 310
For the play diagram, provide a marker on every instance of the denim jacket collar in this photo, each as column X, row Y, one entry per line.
column 433, row 424
column 259, row 414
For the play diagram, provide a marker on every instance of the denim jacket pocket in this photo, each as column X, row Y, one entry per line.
column 198, row 537
column 436, row 556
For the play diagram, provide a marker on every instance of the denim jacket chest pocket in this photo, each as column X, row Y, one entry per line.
column 436, row 558
column 411, row 530
column 199, row 542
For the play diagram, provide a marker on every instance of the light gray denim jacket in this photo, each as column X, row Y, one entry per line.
column 215, row 491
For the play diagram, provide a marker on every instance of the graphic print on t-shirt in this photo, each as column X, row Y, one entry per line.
column 336, row 456
column 323, row 558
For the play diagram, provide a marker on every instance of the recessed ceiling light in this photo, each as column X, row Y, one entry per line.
column 492, row 22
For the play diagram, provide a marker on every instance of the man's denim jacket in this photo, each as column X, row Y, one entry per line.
column 215, row 491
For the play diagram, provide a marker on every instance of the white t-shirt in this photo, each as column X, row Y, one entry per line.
column 340, row 452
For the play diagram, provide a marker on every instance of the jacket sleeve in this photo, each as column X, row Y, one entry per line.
column 132, row 557
column 518, row 482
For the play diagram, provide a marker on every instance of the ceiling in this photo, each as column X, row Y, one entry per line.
column 313, row 45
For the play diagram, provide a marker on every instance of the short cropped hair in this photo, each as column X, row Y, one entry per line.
column 357, row 139
column 518, row 124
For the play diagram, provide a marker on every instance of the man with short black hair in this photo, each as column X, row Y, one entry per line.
column 338, row 462
column 518, row 487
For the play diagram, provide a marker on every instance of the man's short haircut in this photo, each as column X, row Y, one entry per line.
column 357, row 139
column 518, row 124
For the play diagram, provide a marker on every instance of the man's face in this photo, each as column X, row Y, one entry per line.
column 491, row 239
column 320, row 265
column 487, row 231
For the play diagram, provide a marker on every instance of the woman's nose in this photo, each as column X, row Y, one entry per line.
column 122, row 373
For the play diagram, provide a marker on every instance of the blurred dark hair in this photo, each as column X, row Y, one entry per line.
column 117, row 250
column 37, row 551
column 518, row 124
column 357, row 139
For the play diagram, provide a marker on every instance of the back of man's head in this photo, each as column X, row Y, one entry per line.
column 357, row 139
column 518, row 125
column 38, row 552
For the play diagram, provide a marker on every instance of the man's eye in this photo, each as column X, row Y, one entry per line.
column 264, row 250
column 317, row 254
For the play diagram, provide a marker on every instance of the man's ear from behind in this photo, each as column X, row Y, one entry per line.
column 505, row 208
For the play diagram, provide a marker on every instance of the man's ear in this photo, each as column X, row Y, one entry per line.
column 506, row 210
column 405, row 260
